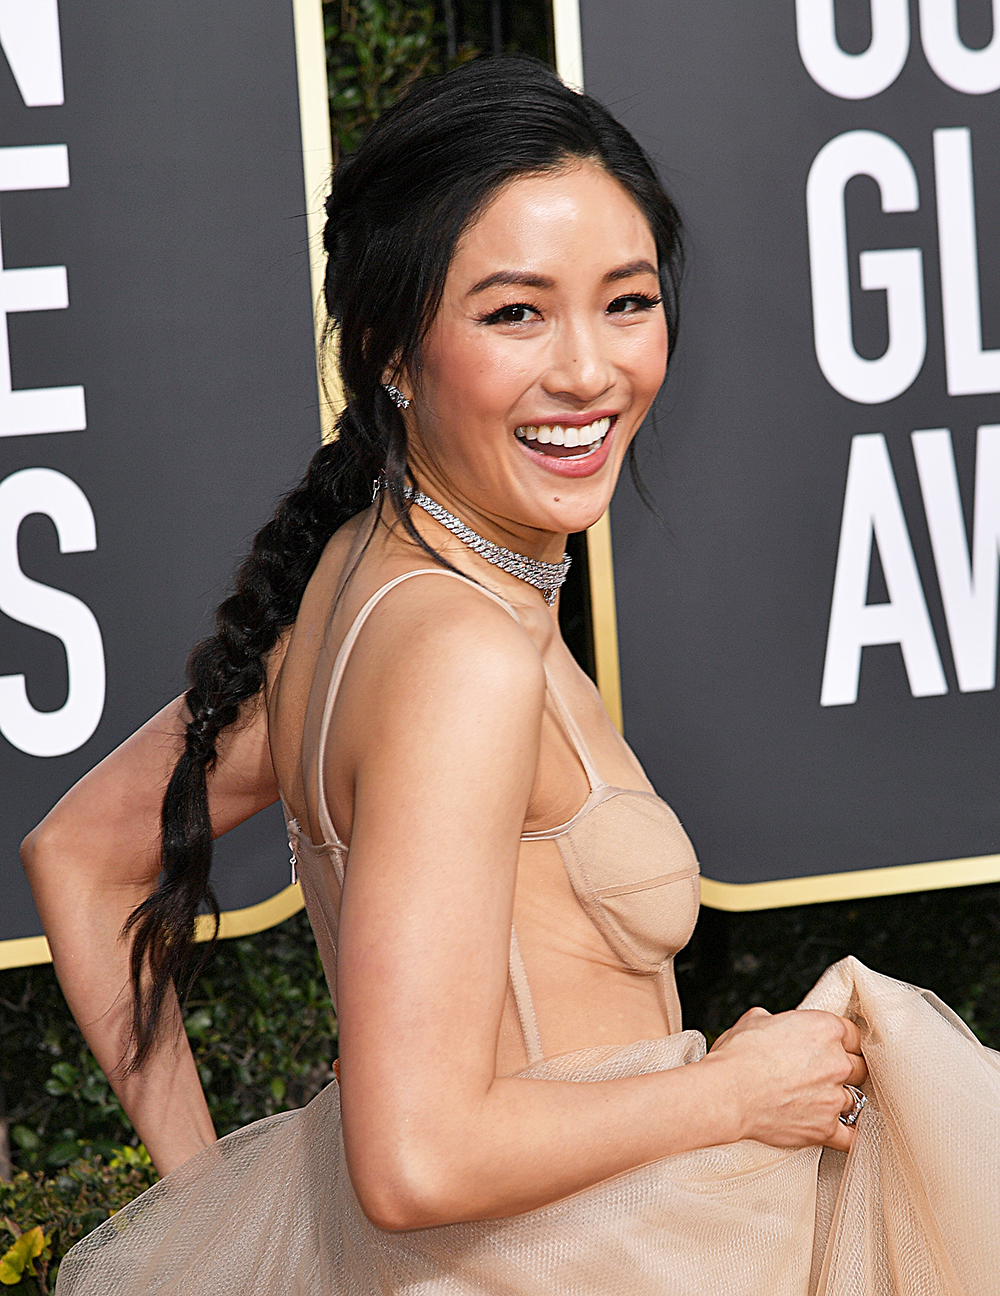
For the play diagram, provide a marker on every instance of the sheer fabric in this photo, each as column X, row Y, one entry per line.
column 603, row 903
column 270, row 1209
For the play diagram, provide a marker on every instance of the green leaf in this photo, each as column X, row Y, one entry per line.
column 198, row 1023
column 21, row 1257
column 26, row 1139
column 130, row 1156
column 63, row 1153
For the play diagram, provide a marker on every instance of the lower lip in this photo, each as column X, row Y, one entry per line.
column 572, row 467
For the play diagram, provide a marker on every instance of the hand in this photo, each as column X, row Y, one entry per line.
column 789, row 1073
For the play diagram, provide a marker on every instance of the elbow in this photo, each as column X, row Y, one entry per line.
column 408, row 1190
column 33, row 850
column 45, row 849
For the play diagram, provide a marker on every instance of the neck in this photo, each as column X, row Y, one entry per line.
column 532, row 542
column 475, row 550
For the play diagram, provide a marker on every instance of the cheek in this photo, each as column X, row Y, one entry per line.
column 650, row 357
column 488, row 376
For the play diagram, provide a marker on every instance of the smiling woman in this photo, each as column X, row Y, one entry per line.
column 496, row 891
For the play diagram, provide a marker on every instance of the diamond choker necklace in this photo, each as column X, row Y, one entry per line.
column 544, row 576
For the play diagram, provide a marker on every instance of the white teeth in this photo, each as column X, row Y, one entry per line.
column 591, row 434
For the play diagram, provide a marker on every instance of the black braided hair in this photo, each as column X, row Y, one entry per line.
column 396, row 210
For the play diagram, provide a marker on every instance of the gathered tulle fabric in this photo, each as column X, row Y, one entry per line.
column 911, row 1211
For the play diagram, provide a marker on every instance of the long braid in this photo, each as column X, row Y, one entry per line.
column 226, row 672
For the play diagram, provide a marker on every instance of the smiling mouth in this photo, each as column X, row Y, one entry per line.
column 558, row 441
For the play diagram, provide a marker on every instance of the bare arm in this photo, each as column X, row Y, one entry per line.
column 90, row 862
column 441, row 781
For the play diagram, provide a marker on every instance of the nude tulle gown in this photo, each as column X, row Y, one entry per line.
column 914, row 1210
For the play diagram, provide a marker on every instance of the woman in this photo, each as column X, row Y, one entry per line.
column 496, row 891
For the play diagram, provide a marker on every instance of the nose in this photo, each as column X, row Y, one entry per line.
column 580, row 369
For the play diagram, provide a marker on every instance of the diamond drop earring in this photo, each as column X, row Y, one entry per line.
column 396, row 396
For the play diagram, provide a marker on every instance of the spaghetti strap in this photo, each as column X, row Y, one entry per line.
column 330, row 836
column 523, row 1001
column 575, row 736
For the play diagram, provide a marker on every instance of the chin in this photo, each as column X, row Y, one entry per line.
column 573, row 519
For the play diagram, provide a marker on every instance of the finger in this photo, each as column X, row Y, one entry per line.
column 849, row 1103
column 852, row 1036
column 842, row 1139
column 859, row 1070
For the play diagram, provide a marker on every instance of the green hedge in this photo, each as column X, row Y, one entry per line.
column 945, row 941
column 265, row 1037
column 41, row 1217
column 260, row 1020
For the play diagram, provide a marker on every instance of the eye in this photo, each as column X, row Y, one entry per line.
column 634, row 303
column 516, row 313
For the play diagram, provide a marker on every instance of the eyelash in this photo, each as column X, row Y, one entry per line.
column 644, row 302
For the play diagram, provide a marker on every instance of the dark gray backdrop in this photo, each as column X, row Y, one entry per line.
column 190, row 327
column 723, row 617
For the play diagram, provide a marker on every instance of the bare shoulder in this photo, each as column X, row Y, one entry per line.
column 436, row 642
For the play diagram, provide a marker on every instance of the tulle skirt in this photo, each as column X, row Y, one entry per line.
column 914, row 1209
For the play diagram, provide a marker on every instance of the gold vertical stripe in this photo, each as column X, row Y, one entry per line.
column 604, row 617
column 317, row 164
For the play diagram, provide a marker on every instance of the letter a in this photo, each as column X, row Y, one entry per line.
column 29, row 35
column 873, row 512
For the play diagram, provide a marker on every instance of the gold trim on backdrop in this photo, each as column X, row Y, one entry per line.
column 604, row 617
column 25, row 951
column 862, row 884
column 28, row 950
column 317, row 165
column 255, row 918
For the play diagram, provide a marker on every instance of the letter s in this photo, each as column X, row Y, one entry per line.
column 50, row 733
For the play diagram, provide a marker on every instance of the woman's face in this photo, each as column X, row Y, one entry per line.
column 546, row 353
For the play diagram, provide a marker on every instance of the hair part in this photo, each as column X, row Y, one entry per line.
column 396, row 211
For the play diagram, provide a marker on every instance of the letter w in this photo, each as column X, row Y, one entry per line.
column 968, row 589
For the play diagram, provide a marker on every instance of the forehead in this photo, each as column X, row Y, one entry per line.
column 565, row 220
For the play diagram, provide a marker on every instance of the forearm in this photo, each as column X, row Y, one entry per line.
column 527, row 1143
column 164, row 1099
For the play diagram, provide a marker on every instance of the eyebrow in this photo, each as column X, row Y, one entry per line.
column 525, row 279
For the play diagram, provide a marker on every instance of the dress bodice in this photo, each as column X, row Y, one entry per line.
column 630, row 866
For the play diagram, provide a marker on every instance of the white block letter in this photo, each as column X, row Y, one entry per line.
column 872, row 511
column 853, row 76
column 968, row 590
column 970, row 369
column 45, row 409
column 968, row 70
column 29, row 34
column 898, row 271
column 50, row 733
